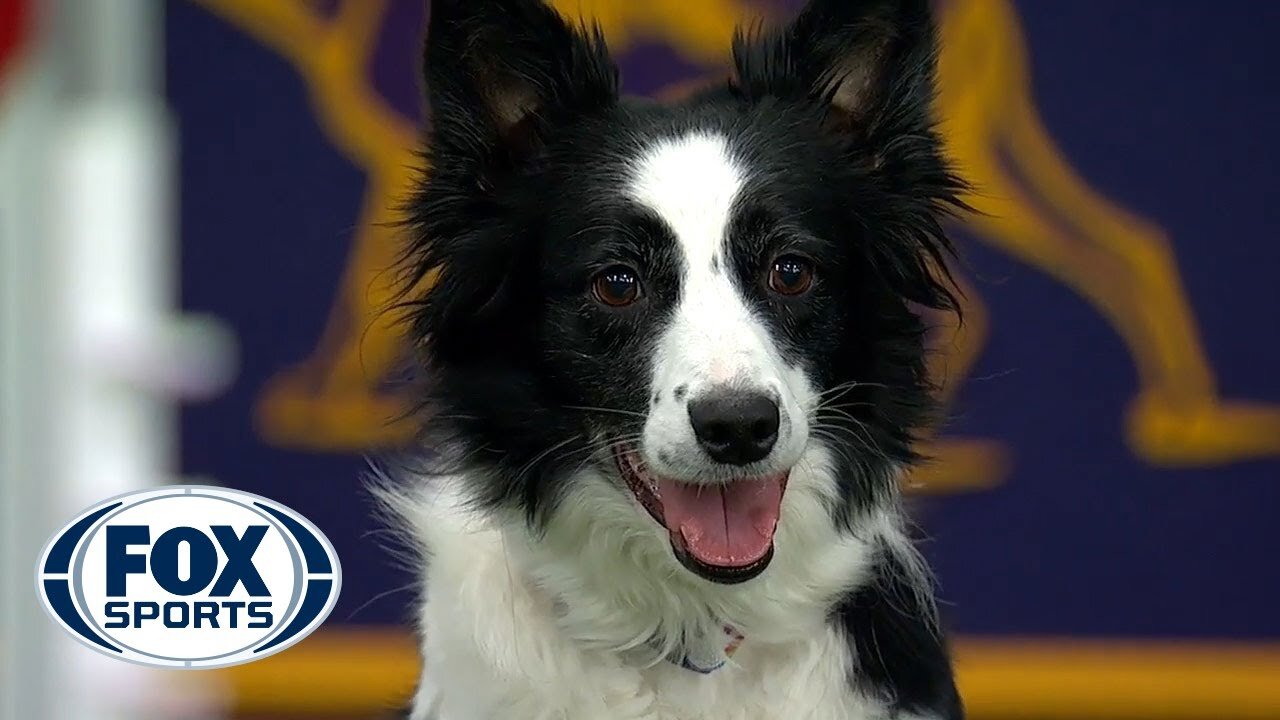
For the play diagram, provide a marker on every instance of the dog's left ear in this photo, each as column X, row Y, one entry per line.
column 870, row 61
column 869, row 65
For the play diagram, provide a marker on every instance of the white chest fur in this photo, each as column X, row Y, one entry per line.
column 497, row 648
column 495, row 652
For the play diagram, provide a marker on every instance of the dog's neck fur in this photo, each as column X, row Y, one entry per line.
column 618, row 587
column 600, row 579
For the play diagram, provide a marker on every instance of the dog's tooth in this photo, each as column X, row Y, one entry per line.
column 691, row 533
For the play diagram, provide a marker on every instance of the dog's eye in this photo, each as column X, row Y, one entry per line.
column 616, row 286
column 790, row 275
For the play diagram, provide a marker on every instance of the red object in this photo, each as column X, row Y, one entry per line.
column 14, row 17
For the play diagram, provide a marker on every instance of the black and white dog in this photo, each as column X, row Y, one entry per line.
column 675, row 374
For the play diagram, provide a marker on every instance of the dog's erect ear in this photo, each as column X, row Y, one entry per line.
column 870, row 64
column 871, row 61
column 497, row 69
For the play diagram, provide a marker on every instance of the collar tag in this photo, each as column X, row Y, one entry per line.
column 706, row 658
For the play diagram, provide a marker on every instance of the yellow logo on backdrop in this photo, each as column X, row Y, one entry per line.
column 1038, row 211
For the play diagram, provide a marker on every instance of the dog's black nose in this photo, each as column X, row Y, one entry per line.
column 735, row 428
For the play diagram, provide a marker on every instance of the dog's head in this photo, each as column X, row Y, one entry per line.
column 681, row 304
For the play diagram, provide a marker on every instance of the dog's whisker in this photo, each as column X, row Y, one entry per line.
column 615, row 411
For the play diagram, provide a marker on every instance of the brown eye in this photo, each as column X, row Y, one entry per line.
column 617, row 286
column 791, row 275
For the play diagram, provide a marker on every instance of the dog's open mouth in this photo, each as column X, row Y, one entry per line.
column 722, row 532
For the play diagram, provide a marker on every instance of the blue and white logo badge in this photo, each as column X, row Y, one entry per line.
column 189, row 577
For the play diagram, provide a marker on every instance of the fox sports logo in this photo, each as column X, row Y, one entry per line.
column 189, row 577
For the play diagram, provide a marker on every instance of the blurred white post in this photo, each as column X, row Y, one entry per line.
column 93, row 356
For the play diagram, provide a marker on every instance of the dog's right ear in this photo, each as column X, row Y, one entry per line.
column 498, row 71
column 499, row 74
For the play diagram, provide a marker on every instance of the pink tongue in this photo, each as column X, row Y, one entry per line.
column 724, row 525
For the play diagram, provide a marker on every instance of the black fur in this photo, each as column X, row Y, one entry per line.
column 522, row 204
column 900, row 650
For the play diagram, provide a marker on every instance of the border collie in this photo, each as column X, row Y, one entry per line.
column 675, row 372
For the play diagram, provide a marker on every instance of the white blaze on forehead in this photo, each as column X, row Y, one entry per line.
column 714, row 338
column 691, row 182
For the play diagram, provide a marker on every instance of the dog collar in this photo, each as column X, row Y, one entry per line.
column 709, row 657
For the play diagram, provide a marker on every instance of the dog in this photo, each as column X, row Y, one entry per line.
column 674, row 370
